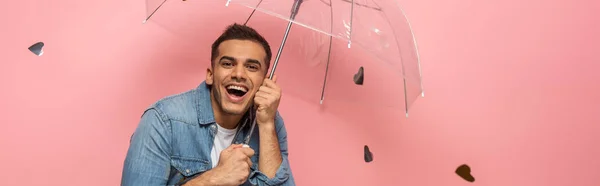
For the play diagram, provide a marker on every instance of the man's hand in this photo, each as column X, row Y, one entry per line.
column 267, row 100
column 232, row 170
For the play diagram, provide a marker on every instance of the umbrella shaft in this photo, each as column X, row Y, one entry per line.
column 276, row 61
column 295, row 9
column 285, row 35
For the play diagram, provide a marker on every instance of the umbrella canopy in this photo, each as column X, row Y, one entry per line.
column 332, row 43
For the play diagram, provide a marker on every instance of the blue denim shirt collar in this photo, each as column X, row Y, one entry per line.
column 204, row 105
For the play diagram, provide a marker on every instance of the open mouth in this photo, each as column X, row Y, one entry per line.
column 236, row 91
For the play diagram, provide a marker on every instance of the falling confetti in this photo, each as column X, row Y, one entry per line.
column 464, row 171
column 37, row 48
column 368, row 155
column 359, row 76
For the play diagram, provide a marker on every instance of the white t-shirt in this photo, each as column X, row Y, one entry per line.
column 223, row 139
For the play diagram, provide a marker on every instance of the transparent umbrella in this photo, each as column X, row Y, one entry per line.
column 358, row 51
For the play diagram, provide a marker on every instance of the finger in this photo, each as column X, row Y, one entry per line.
column 274, row 78
column 268, row 90
column 249, row 161
column 249, row 152
column 263, row 102
column 270, row 83
column 234, row 146
column 261, row 106
column 259, row 99
column 237, row 146
column 264, row 95
column 269, row 93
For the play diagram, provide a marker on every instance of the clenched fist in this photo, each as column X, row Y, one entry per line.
column 232, row 170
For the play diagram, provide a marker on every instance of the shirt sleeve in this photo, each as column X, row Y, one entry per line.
column 283, row 176
column 147, row 162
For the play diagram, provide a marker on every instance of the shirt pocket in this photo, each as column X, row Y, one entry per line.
column 187, row 167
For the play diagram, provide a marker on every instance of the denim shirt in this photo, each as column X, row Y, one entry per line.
column 174, row 139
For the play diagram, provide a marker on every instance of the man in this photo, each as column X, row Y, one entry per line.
column 186, row 139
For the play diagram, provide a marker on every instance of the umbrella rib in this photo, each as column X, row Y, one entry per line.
column 378, row 8
column 253, row 10
column 402, row 61
column 151, row 14
column 350, row 27
column 328, row 54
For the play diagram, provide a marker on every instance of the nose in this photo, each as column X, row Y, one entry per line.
column 239, row 72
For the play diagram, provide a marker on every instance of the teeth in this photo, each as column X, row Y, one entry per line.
column 237, row 88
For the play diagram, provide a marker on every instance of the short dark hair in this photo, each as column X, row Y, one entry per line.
column 241, row 32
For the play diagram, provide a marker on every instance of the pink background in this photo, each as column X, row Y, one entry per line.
column 510, row 90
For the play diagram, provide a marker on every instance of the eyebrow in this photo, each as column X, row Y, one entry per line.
column 247, row 60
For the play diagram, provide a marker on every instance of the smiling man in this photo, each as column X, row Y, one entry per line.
column 186, row 139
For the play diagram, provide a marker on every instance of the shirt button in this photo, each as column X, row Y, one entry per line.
column 187, row 170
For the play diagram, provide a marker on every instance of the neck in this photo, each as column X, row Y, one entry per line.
column 225, row 120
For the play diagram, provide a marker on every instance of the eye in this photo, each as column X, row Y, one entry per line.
column 226, row 64
column 253, row 67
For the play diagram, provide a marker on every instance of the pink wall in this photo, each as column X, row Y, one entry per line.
column 510, row 90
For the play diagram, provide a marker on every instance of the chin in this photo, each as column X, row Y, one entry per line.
column 234, row 109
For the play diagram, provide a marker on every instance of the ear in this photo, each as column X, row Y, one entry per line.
column 209, row 76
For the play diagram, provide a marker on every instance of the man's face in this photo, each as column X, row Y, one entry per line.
column 236, row 75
